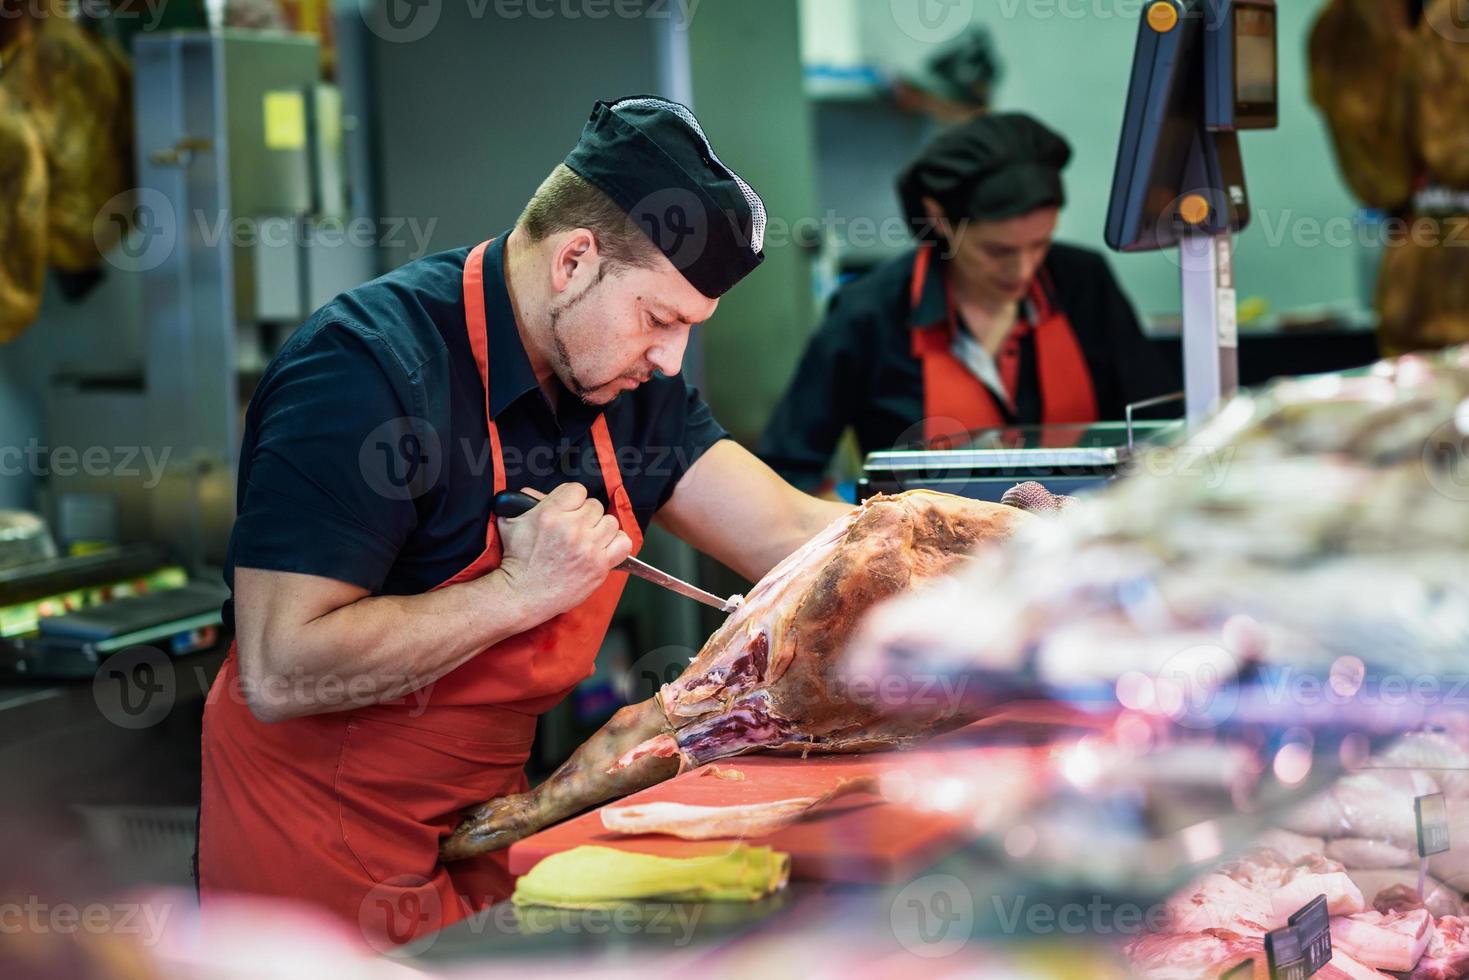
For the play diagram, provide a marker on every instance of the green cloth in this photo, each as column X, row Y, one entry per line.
column 591, row 877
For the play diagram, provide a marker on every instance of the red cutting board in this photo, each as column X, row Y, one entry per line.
column 862, row 837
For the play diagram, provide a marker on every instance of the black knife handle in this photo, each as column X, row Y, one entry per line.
column 512, row 503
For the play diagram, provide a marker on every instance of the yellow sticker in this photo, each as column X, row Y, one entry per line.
column 285, row 120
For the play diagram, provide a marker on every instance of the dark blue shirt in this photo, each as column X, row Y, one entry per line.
column 366, row 455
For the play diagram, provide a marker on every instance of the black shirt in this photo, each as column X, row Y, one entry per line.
column 366, row 454
column 859, row 369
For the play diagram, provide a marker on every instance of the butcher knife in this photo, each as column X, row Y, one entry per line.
column 513, row 503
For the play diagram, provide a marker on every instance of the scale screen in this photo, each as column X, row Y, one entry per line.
column 1255, row 82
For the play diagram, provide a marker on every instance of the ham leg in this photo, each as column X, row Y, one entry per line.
column 772, row 676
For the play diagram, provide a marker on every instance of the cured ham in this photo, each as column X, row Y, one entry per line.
column 692, row 822
column 1447, row 956
column 771, row 677
column 1394, row 941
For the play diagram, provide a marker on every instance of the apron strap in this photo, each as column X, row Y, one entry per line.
column 1067, row 394
column 955, row 402
column 617, row 494
column 475, row 322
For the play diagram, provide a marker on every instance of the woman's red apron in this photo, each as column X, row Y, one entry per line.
column 955, row 402
column 346, row 809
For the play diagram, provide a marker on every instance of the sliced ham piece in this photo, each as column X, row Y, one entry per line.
column 1220, row 902
column 1447, row 956
column 692, row 822
column 1387, row 942
column 1291, row 846
column 1342, row 896
column 1344, row 966
column 1440, row 899
column 1190, row 956
column 1265, row 869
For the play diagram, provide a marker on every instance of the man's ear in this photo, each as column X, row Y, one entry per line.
column 574, row 258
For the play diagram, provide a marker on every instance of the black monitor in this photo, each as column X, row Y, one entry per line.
column 1203, row 70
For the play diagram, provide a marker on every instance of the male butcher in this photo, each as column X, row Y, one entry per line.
column 395, row 643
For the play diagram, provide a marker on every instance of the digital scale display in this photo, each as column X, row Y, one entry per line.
column 1255, row 82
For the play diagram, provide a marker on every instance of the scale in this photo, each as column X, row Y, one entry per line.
column 1203, row 71
column 1067, row 459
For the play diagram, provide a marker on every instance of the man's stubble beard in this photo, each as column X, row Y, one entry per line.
column 558, row 343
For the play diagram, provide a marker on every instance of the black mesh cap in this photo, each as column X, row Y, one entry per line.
column 988, row 169
column 652, row 158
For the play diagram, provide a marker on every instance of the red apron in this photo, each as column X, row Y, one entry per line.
column 956, row 403
column 346, row 809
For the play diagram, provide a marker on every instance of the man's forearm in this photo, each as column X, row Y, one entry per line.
column 380, row 648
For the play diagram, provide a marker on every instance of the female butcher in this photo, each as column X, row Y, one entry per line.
column 985, row 324
column 395, row 643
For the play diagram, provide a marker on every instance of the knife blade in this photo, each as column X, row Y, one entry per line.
column 513, row 503
column 648, row 573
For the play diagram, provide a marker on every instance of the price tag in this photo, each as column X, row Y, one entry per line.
column 1313, row 932
column 1432, row 812
column 1284, row 955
